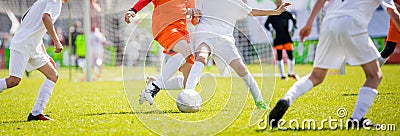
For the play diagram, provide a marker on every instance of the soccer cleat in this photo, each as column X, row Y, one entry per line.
column 262, row 105
column 277, row 112
column 382, row 61
column 283, row 78
column 354, row 123
column 38, row 117
column 149, row 92
column 294, row 76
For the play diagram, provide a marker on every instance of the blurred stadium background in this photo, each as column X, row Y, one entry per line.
column 139, row 46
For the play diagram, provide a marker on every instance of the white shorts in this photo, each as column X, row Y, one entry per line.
column 223, row 48
column 19, row 62
column 343, row 39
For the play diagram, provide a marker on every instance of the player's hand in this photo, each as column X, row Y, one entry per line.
column 304, row 32
column 193, row 12
column 128, row 16
column 197, row 13
column 283, row 7
column 58, row 46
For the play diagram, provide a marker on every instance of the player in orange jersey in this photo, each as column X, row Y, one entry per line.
column 169, row 29
column 393, row 38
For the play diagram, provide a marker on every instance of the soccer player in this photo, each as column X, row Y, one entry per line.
column 393, row 38
column 343, row 36
column 214, row 35
column 169, row 29
column 28, row 52
column 97, row 39
column 283, row 40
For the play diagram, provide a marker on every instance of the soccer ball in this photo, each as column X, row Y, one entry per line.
column 189, row 101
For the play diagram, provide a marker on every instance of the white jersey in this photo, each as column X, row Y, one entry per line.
column 28, row 38
column 358, row 9
column 219, row 16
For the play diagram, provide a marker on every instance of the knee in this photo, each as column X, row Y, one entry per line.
column 375, row 77
column 12, row 81
column 316, row 79
column 53, row 77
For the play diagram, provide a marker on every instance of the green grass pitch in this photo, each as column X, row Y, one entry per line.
column 101, row 107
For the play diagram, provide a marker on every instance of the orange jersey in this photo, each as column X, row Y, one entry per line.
column 170, row 12
column 168, row 22
column 393, row 34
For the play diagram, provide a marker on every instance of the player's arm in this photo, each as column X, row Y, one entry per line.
column 395, row 16
column 306, row 30
column 266, row 25
column 291, row 17
column 267, row 12
column 48, row 24
column 139, row 5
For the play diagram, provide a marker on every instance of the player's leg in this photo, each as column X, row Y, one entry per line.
column 386, row 52
column 173, row 83
column 45, row 91
column 18, row 63
column 279, row 61
column 202, row 53
column 328, row 55
column 393, row 37
column 299, row 88
column 368, row 92
column 241, row 69
column 290, row 61
column 170, row 68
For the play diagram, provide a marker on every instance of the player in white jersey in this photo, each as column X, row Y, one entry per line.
column 27, row 52
column 214, row 35
column 343, row 37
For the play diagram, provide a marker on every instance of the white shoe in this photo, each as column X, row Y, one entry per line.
column 382, row 61
column 149, row 92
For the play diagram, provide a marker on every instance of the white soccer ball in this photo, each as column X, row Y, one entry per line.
column 189, row 101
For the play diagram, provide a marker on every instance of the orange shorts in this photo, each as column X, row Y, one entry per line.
column 169, row 36
column 287, row 46
column 393, row 34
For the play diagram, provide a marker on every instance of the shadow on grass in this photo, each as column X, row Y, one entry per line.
column 138, row 112
column 378, row 94
column 14, row 121
column 148, row 112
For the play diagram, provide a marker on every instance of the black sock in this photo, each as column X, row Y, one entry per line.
column 279, row 54
column 388, row 50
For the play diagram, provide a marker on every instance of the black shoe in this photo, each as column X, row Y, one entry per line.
column 294, row 76
column 354, row 123
column 38, row 117
column 283, row 78
column 277, row 112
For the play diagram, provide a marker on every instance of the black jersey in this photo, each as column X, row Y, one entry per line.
column 281, row 25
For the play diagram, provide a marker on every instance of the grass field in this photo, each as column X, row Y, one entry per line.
column 102, row 107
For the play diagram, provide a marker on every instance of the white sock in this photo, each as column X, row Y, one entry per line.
column 174, row 83
column 3, row 84
column 194, row 75
column 365, row 99
column 170, row 68
column 281, row 67
column 290, row 64
column 44, row 95
column 299, row 88
column 253, row 87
